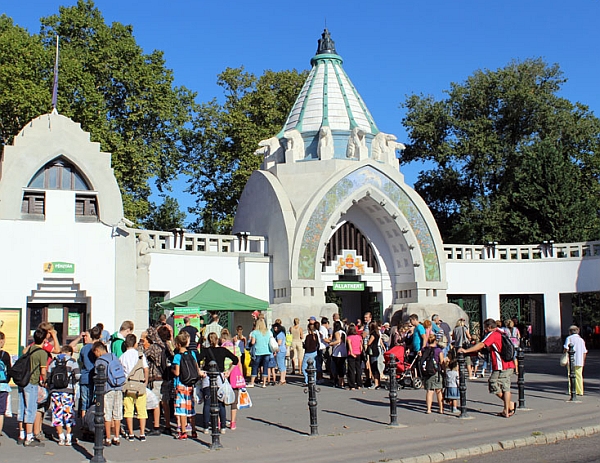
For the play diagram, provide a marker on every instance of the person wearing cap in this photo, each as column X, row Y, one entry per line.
column 580, row 355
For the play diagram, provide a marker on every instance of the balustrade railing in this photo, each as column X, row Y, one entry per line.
column 497, row 252
column 179, row 240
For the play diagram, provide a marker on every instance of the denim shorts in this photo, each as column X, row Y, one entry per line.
column 87, row 396
column 28, row 396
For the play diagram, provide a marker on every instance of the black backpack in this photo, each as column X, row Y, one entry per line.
column 60, row 377
column 429, row 365
column 508, row 348
column 20, row 372
column 188, row 369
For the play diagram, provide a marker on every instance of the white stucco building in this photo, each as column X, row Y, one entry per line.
column 327, row 217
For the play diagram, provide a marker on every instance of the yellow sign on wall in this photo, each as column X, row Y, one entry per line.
column 10, row 325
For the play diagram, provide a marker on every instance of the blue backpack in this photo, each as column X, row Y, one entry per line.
column 114, row 371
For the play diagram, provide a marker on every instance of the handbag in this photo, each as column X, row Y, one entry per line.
column 244, row 400
column 236, row 378
column 225, row 393
column 273, row 345
column 564, row 359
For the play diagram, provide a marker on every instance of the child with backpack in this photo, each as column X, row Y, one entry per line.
column 113, row 399
column 451, row 392
column 5, row 364
column 63, row 373
column 432, row 359
column 186, row 373
column 135, row 367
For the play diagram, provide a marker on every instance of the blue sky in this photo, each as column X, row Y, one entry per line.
column 390, row 48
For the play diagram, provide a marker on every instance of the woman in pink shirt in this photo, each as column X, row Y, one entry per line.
column 355, row 343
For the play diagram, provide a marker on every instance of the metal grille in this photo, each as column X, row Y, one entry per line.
column 350, row 237
column 471, row 304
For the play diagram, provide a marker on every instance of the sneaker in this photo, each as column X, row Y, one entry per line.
column 69, row 443
column 40, row 437
column 130, row 437
column 233, row 426
column 154, row 432
column 20, row 440
column 33, row 443
column 62, row 441
column 223, row 431
column 372, row 386
column 181, row 436
column 142, row 438
column 116, row 441
column 188, row 428
column 249, row 385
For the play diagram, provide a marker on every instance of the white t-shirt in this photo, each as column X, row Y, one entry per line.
column 578, row 347
column 129, row 360
column 323, row 334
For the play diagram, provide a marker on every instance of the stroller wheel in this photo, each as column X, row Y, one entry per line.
column 417, row 383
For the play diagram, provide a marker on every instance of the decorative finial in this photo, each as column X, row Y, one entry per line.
column 326, row 45
column 55, row 82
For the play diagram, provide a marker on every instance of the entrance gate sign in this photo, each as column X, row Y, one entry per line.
column 348, row 285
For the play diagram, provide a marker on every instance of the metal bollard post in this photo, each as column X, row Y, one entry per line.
column 100, row 388
column 572, row 373
column 312, row 396
column 393, row 391
column 462, row 384
column 213, row 373
column 521, row 376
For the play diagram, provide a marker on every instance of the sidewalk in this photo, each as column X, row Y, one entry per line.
column 353, row 424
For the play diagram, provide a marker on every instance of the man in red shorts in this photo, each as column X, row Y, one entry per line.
column 499, row 382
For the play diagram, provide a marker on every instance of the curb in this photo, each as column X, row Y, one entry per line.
column 534, row 439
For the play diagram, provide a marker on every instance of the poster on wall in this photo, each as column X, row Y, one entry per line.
column 74, row 324
column 194, row 313
column 10, row 325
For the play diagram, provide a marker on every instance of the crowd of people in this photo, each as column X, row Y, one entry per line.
column 164, row 374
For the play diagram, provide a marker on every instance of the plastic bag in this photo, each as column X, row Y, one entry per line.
column 152, row 401
column 226, row 394
column 244, row 400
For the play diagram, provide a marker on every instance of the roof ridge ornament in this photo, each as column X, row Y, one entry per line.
column 326, row 44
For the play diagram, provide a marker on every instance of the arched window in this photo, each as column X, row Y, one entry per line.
column 58, row 174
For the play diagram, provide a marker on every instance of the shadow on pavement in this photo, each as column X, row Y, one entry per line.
column 354, row 417
column 277, row 425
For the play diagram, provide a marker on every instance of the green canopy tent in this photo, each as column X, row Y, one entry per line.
column 215, row 297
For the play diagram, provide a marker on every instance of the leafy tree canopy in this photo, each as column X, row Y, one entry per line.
column 220, row 148
column 124, row 97
column 515, row 162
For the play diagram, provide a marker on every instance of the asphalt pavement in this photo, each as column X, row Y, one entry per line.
column 353, row 425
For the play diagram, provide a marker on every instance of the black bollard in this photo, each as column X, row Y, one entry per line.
column 521, row 376
column 462, row 384
column 213, row 374
column 393, row 391
column 311, row 370
column 572, row 373
column 100, row 388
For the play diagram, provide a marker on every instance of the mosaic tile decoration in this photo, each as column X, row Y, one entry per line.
column 366, row 175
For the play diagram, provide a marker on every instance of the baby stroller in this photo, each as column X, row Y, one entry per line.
column 406, row 372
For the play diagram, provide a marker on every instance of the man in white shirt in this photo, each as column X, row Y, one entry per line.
column 129, row 360
column 324, row 339
column 580, row 355
column 212, row 327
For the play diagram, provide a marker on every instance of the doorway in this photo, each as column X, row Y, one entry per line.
column 68, row 320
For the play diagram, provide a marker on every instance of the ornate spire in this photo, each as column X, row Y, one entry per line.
column 326, row 45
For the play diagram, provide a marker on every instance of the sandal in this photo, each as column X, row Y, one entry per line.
column 282, row 383
column 107, row 443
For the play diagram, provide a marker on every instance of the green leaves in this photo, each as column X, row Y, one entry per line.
column 516, row 163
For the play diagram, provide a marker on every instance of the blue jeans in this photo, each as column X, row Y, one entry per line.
column 261, row 360
column 87, row 396
column 307, row 355
column 206, row 410
column 28, row 396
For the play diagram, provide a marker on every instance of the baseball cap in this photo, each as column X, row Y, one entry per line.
column 312, row 319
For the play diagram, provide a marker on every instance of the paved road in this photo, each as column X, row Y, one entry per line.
column 353, row 425
column 582, row 450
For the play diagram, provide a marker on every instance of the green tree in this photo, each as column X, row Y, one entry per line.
column 166, row 216
column 514, row 162
column 220, row 148
column 124, row 97
column 24, row 75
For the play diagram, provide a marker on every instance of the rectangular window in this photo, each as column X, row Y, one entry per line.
column 86, row 206
column 33, row 203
